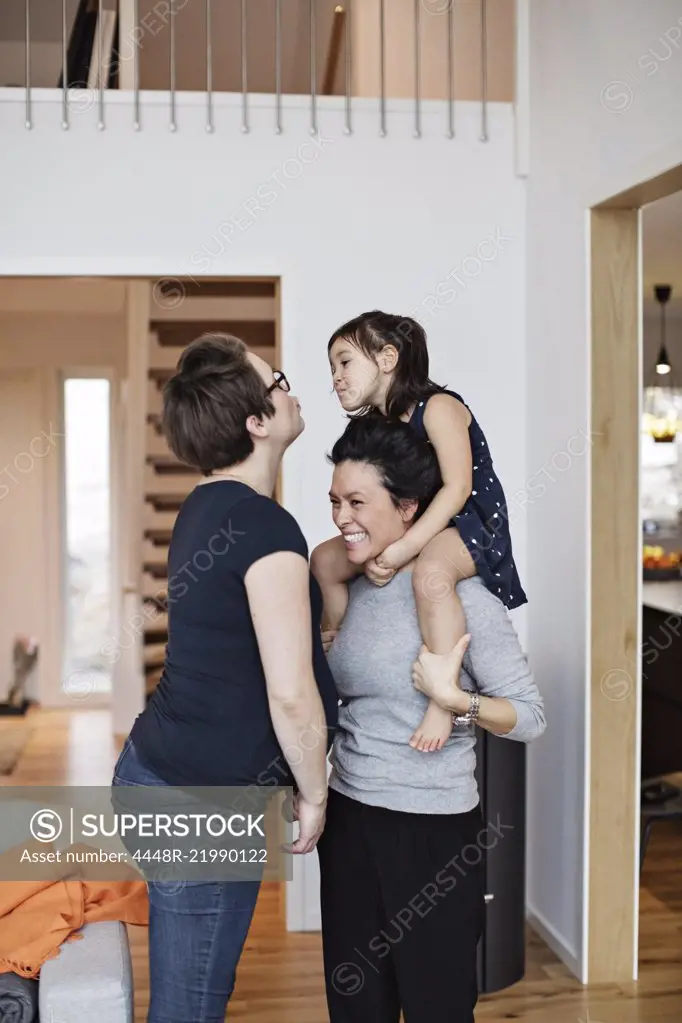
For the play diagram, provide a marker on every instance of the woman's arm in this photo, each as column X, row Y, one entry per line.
column 446, row 421
column 278, row 591
column 510, row 702
column 436, row 674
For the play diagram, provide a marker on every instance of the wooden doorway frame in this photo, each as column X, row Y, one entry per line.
column 614, row 705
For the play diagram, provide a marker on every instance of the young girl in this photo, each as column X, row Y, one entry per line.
column 380, row 362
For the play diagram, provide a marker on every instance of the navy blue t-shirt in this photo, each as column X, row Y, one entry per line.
column 208, row 720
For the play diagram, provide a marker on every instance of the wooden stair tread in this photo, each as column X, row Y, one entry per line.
column 156, row 569
column 158, row 519
column 179, row 333
column 152, row 638
column 155, row 654
column 220, row 289
column 168, row 464
column 166, row 502
column 159, row 537
column 157, row 626
column 165, row 357
column 154, row 591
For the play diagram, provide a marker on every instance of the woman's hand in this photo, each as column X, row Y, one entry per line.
column 436, row 676
column 311, row 820
column 328, row 637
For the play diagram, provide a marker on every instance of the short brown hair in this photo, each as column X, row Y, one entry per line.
column 208, row 400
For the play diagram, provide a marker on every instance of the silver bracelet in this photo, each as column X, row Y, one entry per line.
column 471, row 715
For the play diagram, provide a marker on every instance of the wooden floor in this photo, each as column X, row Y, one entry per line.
column 280, row 975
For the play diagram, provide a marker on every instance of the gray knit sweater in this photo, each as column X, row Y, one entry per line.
column 371, row 661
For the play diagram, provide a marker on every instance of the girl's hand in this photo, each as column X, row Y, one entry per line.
column 436, row 675
column 377, row 573
column 380, row 570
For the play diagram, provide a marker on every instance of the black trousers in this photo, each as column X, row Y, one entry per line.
column 402, row 913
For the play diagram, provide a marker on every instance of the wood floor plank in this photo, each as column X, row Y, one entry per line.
column 280, row 975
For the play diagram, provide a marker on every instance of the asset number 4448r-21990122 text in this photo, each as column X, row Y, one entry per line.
column 201, row 856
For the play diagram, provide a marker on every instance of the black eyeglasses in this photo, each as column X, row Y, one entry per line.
column 280, row 381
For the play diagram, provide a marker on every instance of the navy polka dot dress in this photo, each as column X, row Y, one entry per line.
column 483, row 522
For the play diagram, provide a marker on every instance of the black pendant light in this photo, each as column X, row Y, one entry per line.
column 662, row 293
column 660, row 419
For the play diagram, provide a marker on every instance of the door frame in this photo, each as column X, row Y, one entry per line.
column 611, row 920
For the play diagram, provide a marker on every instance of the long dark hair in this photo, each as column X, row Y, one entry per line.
column 407, row 465
column 370, row 332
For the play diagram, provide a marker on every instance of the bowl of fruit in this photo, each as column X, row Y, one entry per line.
column 659, row 564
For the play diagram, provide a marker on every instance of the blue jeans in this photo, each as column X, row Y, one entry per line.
column 197, row 931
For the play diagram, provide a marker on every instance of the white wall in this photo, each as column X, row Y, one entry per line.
column 26, row 449
column 346, row 222
column 604, row 114
column 52, row 340
column 350, row 223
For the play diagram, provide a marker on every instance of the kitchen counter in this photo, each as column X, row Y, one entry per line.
column 663, row 596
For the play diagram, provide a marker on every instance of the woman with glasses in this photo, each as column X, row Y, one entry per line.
column 245, row 674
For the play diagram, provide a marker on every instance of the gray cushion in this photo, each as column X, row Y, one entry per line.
column 90, row 981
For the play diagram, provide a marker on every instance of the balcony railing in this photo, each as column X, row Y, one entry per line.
column 416, row 50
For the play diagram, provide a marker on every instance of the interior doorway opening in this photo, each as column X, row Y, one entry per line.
column 615, row 640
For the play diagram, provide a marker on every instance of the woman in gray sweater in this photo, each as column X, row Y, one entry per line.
column 402, row 896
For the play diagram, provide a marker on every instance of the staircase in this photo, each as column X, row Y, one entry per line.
column 248, row 309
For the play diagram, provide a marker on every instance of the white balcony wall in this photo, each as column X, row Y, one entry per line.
column 431, row 227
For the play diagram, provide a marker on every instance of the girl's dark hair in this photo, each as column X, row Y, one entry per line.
column 207, row 402
column 407, row 465
column 370, row 332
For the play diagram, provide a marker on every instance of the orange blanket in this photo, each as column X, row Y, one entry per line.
column 36, row 917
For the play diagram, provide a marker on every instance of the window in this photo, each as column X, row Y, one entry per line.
column 88, row 555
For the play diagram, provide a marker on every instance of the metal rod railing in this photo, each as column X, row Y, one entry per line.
column 244, row 66
column 451, row 70
column 278, row 66
column 100, row 69
column 137, row 123
column 172, row 69
column 382, row 66
column 417, row 70
column 341, row 37
column 28, row 122
column 313, row 68
column 65, row 73
column 484, row 71
column 348, row 48
column 209, row 70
